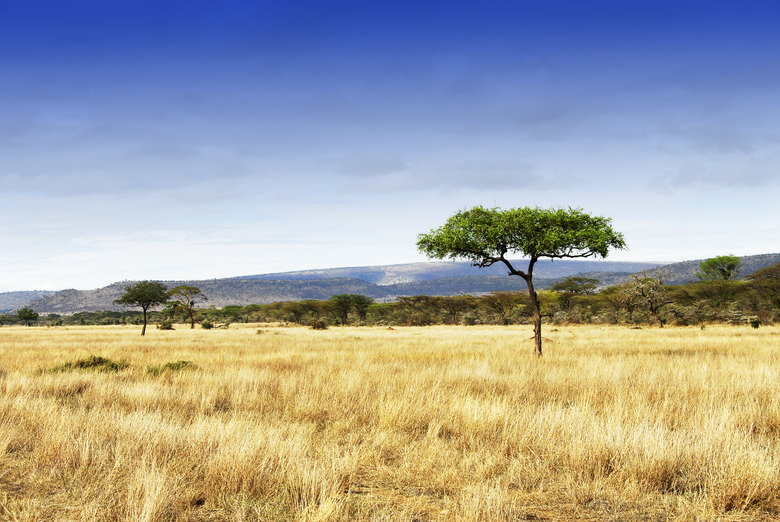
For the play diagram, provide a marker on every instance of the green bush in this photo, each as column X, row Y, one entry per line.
column 165, row 324
column 91, row 363
column 170, row 367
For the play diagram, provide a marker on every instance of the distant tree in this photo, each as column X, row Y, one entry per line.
column 486, row 236
column 650, row 292
column 231, row 314
column 185, row 296
column 720, row 268
column 361, row 304
column 503, row 304
column 718, row 276
column 767, row 283
column 343, row 304
column 611, row 295
column 572, row 286
column 146, row 294
column 27, row 316
column 454, row 307
column 417, row 310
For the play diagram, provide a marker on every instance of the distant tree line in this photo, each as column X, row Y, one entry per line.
column 718, row 297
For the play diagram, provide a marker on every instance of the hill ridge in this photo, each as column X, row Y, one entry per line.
column 382, row 282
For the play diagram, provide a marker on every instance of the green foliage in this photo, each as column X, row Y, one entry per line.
column 206, row 324
column 484, row 236
column 575, row 285
column 342, row 304
column 184, row 296
column 27, row 316
column 720, row 268
column 170, row 367
column 91, row 363
column 145, row 294
column 165, row 324
column 572, row 286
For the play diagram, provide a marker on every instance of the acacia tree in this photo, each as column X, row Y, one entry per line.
column 184, row 296
column 571, row 286
column 720, row 268
column 343, row 304
column 718, row 274
column 146, row 294
column 27, row 316
column 650, row 292
column 485, row 236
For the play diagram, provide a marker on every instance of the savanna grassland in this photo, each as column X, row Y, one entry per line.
column 434, row 423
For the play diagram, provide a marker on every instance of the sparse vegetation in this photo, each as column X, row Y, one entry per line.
column 94, row 363
column 435, row 423
column 170, row 367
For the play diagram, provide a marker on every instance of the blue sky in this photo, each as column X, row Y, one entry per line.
column 202, row 139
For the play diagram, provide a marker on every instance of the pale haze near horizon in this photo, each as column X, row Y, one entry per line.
column 195, row 140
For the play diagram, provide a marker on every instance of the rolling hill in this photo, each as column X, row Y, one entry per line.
column 382, row 283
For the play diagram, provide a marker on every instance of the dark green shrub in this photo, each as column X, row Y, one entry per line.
column 171, row 367
column 92, row 363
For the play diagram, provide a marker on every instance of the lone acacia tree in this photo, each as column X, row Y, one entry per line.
column 485, row 236
column 145, row 294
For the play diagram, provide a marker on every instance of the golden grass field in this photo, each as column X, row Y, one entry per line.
column 434, row 423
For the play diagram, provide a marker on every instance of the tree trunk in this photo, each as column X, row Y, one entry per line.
column 143, row 330
column 537, row 316
column 654, row 313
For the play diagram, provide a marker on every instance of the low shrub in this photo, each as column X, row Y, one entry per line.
column 91, row 363
column 170, row 367
column 165, row 324
column 319, row 325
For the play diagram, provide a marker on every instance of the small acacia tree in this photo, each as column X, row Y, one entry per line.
column 485, row 236
column 720, row 268
column 146, row 294
column 719, row 275
column 184, row 296
column 649, row 291
column 572, row 286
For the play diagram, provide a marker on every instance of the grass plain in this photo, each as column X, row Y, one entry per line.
column 438, row 423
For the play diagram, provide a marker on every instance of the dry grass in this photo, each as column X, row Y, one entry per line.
column 436, row 423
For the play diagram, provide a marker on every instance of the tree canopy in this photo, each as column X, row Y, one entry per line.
column 486, row 236
column 720, row 268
